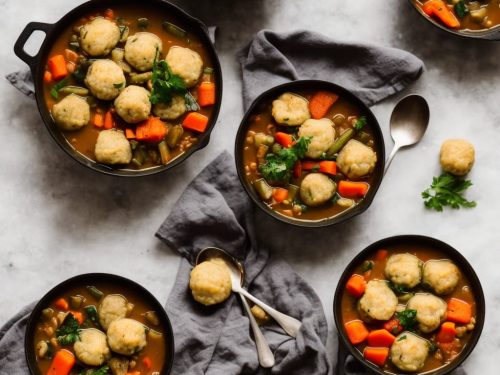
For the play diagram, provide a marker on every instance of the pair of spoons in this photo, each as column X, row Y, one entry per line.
column 290, row 325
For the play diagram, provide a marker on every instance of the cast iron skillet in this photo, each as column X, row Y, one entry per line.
column 424, row 241
column 488, row 34
column 90, row 279
column 273, row 93
column 52, row 32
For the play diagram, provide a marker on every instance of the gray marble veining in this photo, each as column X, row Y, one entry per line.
column 58, row 219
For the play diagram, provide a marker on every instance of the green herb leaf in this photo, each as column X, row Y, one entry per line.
column 91, row 314
column 54, row 92
column 461, row 9
column 165, row 83
column 118, row 85
column 407, row 319
column 360, row 123
column 402, row 338
column 398, row 288
column 447, row 190
column 367, row 266
column 104, row 370
column 315, row 168
column 68, row 331
column 278, row 167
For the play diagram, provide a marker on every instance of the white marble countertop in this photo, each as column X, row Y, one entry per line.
column 58, row 219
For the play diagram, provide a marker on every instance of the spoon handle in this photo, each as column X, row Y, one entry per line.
column 290, row 325
column 264, row 353
column 391, row 156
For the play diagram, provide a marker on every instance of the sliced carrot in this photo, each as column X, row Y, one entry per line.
column 447, row 332
column 297, row 169
column 280, row 194
column 62, row 363
column 71, row 55
column 284, row 139
column 351, row 189
column 129, row 133
column 356, row 331
column 381, row 255
column 377, row 356
column 151, row 130
column 206, row 94
column 439, row 9
column 147, row 362
column 78, row 316
column 57, row 67
column 393, row 326
column 356, row 285
column 61, row 304
column 195, row 121
column 98, row 120
column 459, row 311
column 321, row 102
column 325, row 166
column 108, row 120
column 47, row 77
column 381, row 338
column 109, row 14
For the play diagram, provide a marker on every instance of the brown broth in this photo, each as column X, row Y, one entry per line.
column 84, row 139
column 468, row 23
column 259, row 123
column 462, row 291
column 156, row 349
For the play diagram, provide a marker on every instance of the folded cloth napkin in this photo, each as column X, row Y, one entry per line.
column 371, row 72
column 215, row 211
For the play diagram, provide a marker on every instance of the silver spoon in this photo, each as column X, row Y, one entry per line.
column 264, row 353
column 290, row 325
column 409, row 122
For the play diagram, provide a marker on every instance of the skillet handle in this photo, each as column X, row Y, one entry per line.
column 25, row 35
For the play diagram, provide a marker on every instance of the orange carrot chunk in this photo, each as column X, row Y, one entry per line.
column 381, row 338
column 108, row 120
column 297, row 169
column 151, row 130
column 350, row 189
column 439, row 9
column 57, row 67
column 393, row 326
column 78, row 316
column 98, row 120
column 280, row 194
column 321, row 102
column 62, row 363
column 356, row 285
column 109, row 14
column 129, row 133
column 284, row 139
column 325, row 166
column 61, row 304
column 459, row 311
column 47, row 77
column 195, row 121
column 377, row 356
column 147, row 362
column 356, row 331
column 206, row 94
column 381, row 255
column 447, row 332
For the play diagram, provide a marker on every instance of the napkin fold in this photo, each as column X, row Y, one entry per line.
column 215, row 211
column 371, row 72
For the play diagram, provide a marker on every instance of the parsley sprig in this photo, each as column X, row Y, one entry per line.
column 278, row 167
column 447, row 190
column 165, row 83
column 68, row 332
column 407, row 319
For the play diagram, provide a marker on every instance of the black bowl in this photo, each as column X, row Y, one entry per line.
column 431, row 243
column 312, row 85
column 52, row 31
column 487, row 34
column 90, row 279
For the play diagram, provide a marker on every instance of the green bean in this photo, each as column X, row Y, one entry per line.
column 124, row 31
column 143, row 23
column 74, row 90
column 76, row 302
column 293, row 190
column 340, row 142
column 363, row 137
column 96, row 293
column 138, row 157
column 208, row 70
column 153, row 155
column 174, row 30
column 141, row 77
column 164, row 152
column 75, row 46
column 265, row 191
column 174, row 135
column 47, row 313
column 152, row 318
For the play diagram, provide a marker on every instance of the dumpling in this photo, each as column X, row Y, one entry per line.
column 321, row 133
column 316, row 189
column 356, row 159
column 378, row 303
column 291, row 109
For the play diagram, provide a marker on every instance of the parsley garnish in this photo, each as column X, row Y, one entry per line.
column 278, row 167
column 54, row 92
column 68, row 331
column 402, row 338
column 398, row 288
column 461, row 9
column 91, row 314
column 360, row 123
column 104, row 370
column 407, row 319
column 446, row 190
column 165, row 83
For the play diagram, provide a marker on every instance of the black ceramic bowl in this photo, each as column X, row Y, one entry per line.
column 427, row 242
column 488, row 34
column 90, row 279
column 52, row 31
column 312, row 85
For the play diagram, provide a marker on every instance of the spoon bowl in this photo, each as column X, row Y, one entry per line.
column 409, row 121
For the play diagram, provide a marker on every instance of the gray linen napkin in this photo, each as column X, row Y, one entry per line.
column 214, row 211
column 371, row 72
